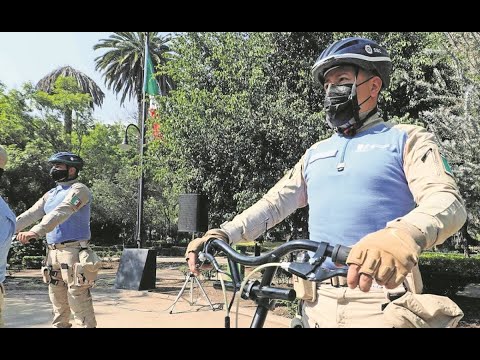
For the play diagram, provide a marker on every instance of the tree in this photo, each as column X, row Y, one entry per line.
column 85, row 84
column 457, row 125
column 123, row 63
column 67, row 98
column 15, row 122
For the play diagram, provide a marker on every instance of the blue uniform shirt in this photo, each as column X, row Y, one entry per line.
column 7, row 229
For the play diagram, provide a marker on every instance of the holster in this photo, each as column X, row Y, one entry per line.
column 306, row 290
column 85, row 272
column 46, row 274
column 81, row 277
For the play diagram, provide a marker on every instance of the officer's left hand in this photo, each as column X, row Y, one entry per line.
column 25, row 236
column 387, row 256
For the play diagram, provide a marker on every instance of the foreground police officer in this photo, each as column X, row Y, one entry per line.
column 65, row 220
column 7, row 228
column 380, row 188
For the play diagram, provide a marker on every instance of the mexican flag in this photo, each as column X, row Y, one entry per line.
column 151, row 84
column 151, row 87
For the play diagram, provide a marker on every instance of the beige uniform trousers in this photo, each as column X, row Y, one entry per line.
column 342, row 307
column 71, row 298
column 2, row 293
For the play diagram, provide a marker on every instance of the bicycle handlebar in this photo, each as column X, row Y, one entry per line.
column 261, row 291
column 339, row 253
column 310, row 270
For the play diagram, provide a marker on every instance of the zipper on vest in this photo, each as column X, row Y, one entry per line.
column 341, row 164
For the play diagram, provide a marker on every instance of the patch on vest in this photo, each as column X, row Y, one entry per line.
column 446, row 166
column 75, row 201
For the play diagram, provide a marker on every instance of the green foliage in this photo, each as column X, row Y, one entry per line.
column 32, row 262
column 456, row 124
column 446, row 274
column 227, row 133
column 68, row 99
column 15, row 122
column 123, row 62
column 35, row 252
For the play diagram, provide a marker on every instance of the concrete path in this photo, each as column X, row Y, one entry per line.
column 27, row 304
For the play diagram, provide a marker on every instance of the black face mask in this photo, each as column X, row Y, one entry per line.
column 341, row 106
column 58, row 175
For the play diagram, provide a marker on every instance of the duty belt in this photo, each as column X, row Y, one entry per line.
column 67, row 244
column 336, row 281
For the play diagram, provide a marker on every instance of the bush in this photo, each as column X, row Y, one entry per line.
column 446, row 274
column 32, row 262
column 18, row 251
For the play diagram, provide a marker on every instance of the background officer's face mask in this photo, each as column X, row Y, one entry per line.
column 58, row 175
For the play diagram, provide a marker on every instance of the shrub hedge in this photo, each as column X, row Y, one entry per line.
column 448, row 273
column 32, row 262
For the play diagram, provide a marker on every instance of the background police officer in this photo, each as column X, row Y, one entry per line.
column 65, row 221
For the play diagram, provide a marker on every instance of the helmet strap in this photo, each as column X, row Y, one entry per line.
column 352, row 129
column 76, row 173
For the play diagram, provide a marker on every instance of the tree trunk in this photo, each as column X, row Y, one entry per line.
column 68, row 128
column 465, row 237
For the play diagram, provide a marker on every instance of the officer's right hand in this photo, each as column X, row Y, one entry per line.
column 386, row 255
column 196, row 245
column 25, row 236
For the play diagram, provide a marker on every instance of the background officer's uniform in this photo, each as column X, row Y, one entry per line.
column 65, row 214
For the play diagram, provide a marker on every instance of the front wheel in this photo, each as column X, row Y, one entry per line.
column 296, row 323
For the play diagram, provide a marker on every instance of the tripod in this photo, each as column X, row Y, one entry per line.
column 190, row 279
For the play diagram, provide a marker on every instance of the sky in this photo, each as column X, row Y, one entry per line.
column 29, row 56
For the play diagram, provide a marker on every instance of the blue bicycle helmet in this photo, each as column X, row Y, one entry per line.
column 364, row 53
column 67, row 158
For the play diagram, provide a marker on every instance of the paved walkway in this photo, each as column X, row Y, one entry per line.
column 27, row 304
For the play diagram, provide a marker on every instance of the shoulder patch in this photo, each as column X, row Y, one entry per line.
column 75, row 201
column 446, row 166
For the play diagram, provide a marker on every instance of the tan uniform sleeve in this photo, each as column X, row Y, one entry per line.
column 281, row 200
column 440, row 212
column 76, row 198
column 32, row 215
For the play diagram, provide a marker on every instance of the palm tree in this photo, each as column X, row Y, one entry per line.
column 86, row 84
column 122, row 64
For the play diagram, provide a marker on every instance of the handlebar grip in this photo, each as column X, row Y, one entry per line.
column 340, row 254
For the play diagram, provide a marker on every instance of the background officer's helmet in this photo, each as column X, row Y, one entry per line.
column 67, row 158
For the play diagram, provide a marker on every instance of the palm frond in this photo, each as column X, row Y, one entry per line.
column 85, row 83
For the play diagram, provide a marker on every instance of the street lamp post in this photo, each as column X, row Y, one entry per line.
column 137, row 268
column 139, row 222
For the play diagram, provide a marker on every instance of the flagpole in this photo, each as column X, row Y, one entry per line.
column 141, row 187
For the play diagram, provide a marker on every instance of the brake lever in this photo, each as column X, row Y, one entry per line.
column 202, row 256
column 312, row 272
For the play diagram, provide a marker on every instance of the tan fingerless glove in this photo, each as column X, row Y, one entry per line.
column 388, row 255
column 197, row 244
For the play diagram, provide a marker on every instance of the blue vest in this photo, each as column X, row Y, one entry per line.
column 356, row 185
column 76, row 227
column 7, row 229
